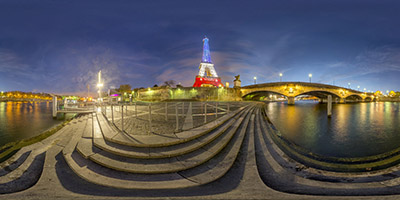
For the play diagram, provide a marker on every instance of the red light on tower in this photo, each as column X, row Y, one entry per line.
column 207, row 76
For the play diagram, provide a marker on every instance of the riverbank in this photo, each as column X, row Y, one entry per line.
column 9, row 149
column 24, row 100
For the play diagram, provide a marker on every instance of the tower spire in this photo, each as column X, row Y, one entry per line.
column 207, row 75
column 206, row 51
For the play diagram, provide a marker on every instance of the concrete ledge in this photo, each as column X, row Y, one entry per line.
column 161, row 140
column 163, row 165
column 168, row 151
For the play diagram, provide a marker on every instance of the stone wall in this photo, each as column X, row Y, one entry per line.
column 188, row 93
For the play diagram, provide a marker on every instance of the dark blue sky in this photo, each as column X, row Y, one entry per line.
column 58, row 46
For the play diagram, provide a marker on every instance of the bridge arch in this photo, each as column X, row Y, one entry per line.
column 293, row 89
column 257, row 95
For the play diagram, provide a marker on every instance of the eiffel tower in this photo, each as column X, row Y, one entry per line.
column 207, row 76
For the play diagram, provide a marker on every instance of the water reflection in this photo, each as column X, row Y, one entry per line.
column 20, row 120
column 354, row 130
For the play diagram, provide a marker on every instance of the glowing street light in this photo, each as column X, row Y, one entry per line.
column 255, row 80
column 358, row 87
column 348, row 85
column 310, row 76
column 280, row 77
column 99, row 83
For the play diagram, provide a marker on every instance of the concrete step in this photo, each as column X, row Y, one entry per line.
column 207, row 172
column 168, row 151
column 162, row 165
column 299, row 169
column 113, row 135
column 264, row 155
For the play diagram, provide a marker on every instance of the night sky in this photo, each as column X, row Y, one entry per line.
column 59, row 46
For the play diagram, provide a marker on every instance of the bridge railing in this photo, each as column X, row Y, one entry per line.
column 139, row 118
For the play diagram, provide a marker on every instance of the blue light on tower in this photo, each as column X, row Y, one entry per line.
column 206, row 51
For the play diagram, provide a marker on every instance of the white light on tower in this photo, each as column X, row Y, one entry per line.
column 280, row 77
column 255, row 80
column 99, row 83
column 310, row 76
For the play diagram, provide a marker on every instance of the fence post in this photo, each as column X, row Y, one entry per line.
column 112, row 113
column 176, row 117
column 122, row 118
column 136, row 109
column 183, row 109
column 205, row 112
column 166, row 111
column 150, row 118
column 216, row 109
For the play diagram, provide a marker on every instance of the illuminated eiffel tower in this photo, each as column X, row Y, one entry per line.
column 207, row 76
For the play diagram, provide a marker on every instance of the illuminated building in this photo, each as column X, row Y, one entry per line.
column 207, row 76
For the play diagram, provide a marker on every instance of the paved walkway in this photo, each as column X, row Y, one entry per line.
column 240, row 162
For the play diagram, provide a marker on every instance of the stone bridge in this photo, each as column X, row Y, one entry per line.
column 294, row 89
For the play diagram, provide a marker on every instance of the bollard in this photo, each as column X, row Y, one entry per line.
column 112, row 113
column 329, row 106
column 205, row 112
column 166, row 111
column 122, row 118
column 176, row 117
column 150, row 118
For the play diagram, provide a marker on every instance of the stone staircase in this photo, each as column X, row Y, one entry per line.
column 190, row 158
column 98, row 155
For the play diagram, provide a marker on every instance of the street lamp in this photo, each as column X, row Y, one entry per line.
column 358, row 87
column 280, row 77
column 255, row 80
column 99, row 83
column 348, row 85
column 310, row 76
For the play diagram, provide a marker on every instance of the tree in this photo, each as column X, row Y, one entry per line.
column 155, row 85
column 170, row 83
column 125, row 88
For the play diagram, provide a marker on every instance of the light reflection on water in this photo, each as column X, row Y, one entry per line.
column 354, row 130
column 21, row 120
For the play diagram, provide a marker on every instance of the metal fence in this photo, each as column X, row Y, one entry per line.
column 139, row 118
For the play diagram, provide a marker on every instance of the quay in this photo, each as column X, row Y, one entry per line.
column 233, row 155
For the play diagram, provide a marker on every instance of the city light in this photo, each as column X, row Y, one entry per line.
column 310, row 76
column 99, row 83
column 280, row 77
column 255, row 80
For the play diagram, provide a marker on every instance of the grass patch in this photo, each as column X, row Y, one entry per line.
column 9, row 149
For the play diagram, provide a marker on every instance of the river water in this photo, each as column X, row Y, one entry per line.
column 355, row 130
column 21, row 120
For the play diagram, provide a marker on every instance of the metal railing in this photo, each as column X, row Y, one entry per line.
column 139, row 118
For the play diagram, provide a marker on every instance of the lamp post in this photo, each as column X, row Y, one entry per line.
column 310, row 76
column 348, row 85
column 280, row 77
column 255, row 80
column 99, row 83
column 358, row 87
